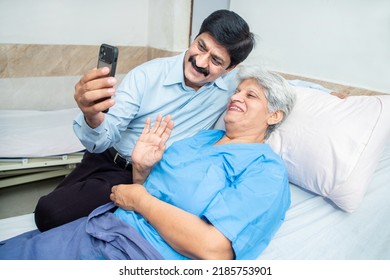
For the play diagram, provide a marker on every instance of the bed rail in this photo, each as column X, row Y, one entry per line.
column 15, row 171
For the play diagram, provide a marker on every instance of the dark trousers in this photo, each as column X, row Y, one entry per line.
column 87, row 187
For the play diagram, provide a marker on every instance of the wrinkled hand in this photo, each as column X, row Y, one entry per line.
column 94, row 86
column 150, row 146
column 128, row 197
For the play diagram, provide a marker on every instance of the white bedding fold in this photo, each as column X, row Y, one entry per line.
column 28, row 133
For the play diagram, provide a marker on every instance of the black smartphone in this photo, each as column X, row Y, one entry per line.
column 108, row 56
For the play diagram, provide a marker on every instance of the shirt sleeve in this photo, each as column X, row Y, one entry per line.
column 128, row 96
column 252, row 208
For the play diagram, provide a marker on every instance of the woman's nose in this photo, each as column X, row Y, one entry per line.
column 237, row 97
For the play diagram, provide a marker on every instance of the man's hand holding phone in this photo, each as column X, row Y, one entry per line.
column 94, row 90
column 93, row 95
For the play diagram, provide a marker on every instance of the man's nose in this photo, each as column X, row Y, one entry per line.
column 202, row 60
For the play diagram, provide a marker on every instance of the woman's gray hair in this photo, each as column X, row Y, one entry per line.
column 280, row 95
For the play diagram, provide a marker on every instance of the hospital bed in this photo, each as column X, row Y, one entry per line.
column 37, row 141
column 37, row 145
column 337, row 152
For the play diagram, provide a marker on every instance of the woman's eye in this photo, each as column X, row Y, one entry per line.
column 251, row 95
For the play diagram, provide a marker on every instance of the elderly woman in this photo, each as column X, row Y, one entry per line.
column 217, row 195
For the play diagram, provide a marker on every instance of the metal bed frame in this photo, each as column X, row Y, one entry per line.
column 15, row 171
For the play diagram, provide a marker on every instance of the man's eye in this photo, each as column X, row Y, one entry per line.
column 216, row 62
column 201, row 47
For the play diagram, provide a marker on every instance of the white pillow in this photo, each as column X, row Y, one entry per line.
column 331, row 146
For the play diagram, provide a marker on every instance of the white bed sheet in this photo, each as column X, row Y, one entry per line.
column 13, row 226
column 314, row 228
column 32, row 133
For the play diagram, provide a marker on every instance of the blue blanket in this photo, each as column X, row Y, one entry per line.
column 99, row 236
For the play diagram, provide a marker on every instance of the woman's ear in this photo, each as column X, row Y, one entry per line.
column 275, row 117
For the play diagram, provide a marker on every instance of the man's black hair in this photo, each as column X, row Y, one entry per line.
column 232, row 32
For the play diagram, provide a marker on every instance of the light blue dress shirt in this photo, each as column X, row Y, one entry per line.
column 156, row 87
column 242, row 189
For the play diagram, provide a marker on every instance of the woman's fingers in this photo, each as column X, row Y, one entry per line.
column 160, row 126
column 147, row 126
column 157, row 123
column 163, row 125
column 167, row 132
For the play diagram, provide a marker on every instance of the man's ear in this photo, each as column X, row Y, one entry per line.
column 275, row 117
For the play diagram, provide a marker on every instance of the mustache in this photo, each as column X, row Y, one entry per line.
column 204, row 71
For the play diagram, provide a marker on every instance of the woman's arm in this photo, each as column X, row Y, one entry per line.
column 150, row 147
column 183, row 231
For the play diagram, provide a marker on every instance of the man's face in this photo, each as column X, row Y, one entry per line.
column 205, row 61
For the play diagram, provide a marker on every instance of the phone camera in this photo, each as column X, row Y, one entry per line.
column 102, row 54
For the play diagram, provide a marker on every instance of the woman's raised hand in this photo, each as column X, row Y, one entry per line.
column 151, row 144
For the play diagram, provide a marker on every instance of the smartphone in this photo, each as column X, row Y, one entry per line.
column 108, row 56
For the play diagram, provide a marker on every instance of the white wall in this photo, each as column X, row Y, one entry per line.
column 160, row 23
column 341, row 41
column 74, row 22
column 202, row 9
column 169, row 24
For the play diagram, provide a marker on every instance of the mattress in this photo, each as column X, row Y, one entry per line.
column 34, row 133
column 37, row 145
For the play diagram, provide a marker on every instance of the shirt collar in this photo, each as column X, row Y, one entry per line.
column 176, row 75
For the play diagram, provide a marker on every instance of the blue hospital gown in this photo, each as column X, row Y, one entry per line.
column 242, row 189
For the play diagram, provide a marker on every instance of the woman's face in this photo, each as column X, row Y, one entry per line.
column 205, row 61
column 247, row 109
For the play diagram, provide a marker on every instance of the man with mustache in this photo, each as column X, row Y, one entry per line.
column 192, row 88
